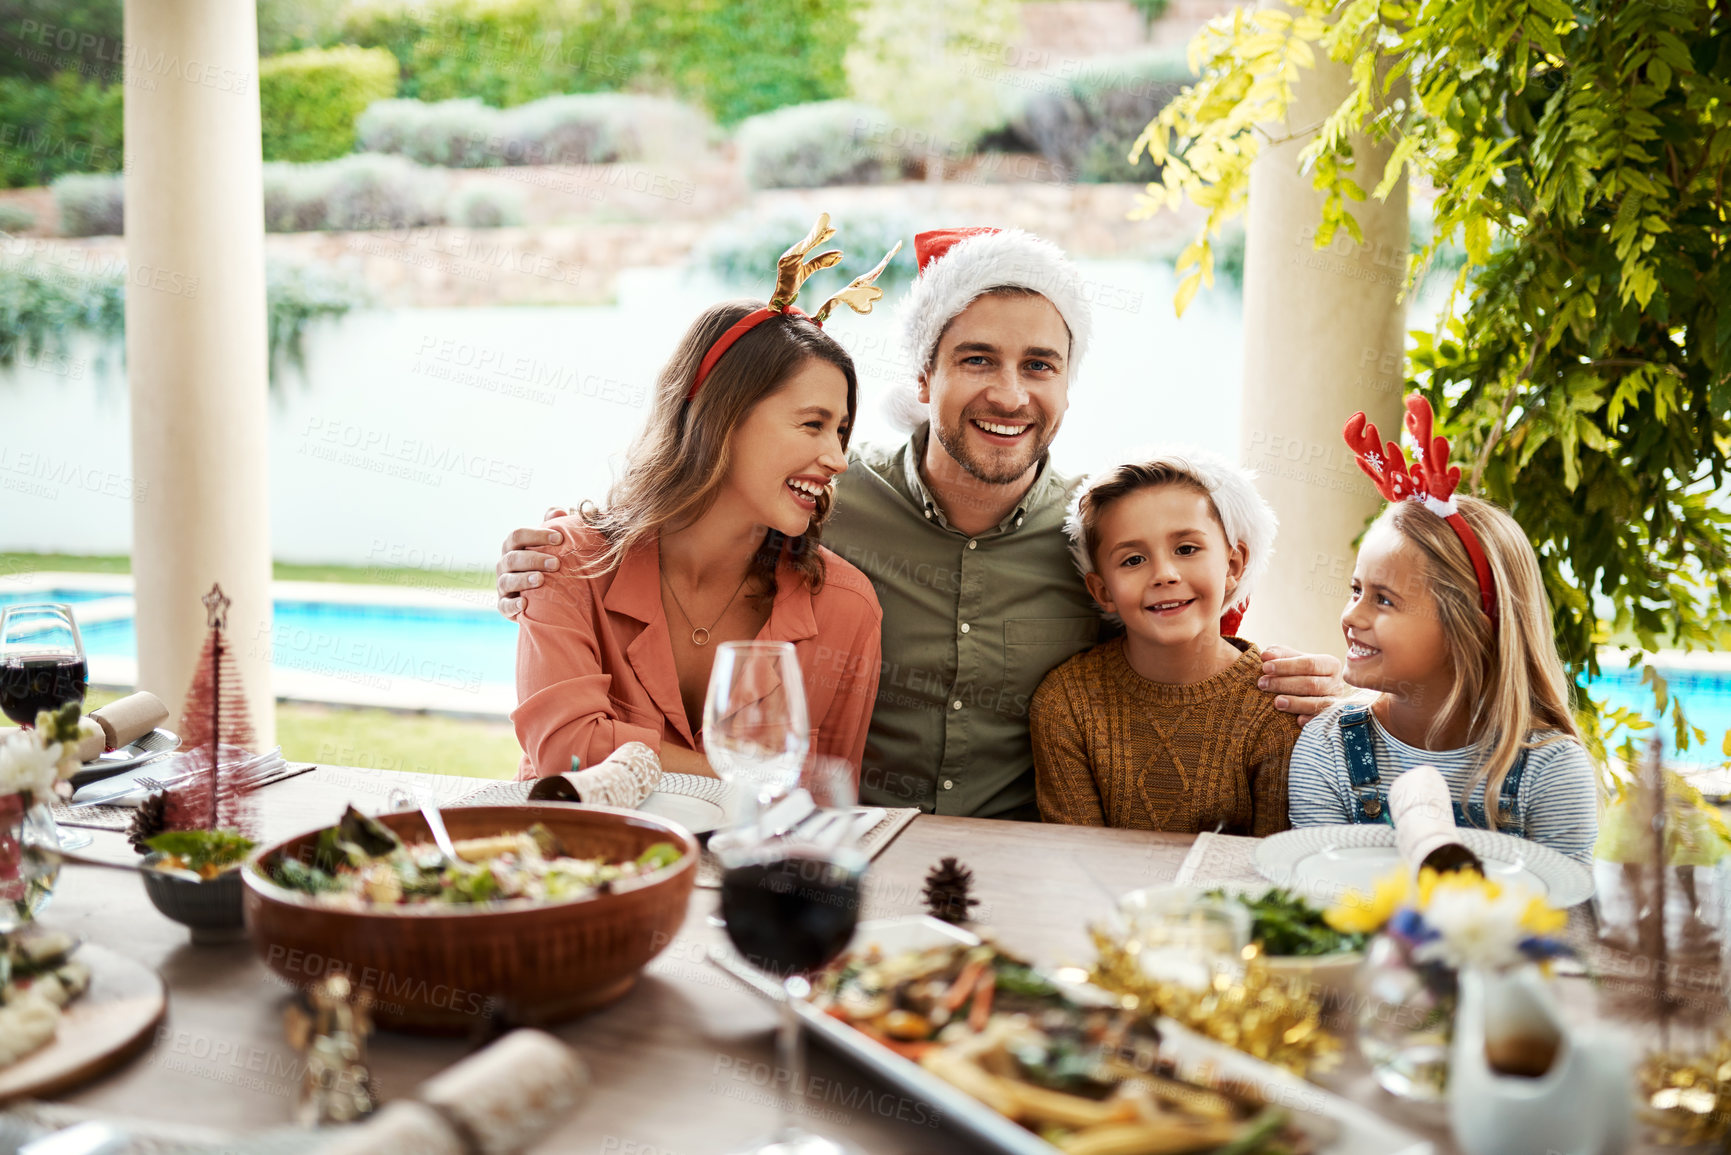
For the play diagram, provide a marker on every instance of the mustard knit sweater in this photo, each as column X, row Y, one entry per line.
column 1112, row 748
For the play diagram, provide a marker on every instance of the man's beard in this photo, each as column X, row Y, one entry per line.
column 954, row 441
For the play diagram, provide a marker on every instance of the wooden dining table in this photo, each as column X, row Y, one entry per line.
column 682, row 1065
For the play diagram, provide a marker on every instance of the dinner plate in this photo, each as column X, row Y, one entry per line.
column 1323, row 863
column 697, row 803
column 1339, row 1126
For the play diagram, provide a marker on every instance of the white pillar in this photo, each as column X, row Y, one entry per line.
column 1324, row 336
column 196, row 340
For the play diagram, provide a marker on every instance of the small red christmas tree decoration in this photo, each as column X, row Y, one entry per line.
column 214, row 717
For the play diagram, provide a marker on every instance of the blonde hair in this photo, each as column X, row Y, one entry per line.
column 1244, row 515
column 1508, row 680
column 678, row 463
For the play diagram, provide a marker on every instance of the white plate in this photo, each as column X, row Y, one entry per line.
column 697, row 803
column 1341, row 1127
column 1323, row 863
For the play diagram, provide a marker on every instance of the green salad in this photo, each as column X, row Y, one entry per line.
column 360, row 863
column 1287, row 926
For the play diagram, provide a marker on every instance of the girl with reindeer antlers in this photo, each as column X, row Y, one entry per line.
column 711, row 534
column 1449, row 623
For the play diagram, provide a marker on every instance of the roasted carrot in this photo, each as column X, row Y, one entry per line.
column 964, row 984
column 982, row 1008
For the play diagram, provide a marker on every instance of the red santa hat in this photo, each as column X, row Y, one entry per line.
column 957, row 266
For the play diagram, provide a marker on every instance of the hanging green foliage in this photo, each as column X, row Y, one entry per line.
column 43, row 304
column 1583, row 363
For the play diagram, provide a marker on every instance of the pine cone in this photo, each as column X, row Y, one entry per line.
column 947, row 887
column 149, row 820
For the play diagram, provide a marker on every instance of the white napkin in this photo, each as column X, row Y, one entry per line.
column 624, row 778
column 1423, row 814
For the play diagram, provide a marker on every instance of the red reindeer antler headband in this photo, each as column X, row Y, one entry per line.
column 1429, row 480
column 791, row 272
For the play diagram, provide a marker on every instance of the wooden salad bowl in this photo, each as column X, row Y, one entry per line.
column 446, row 969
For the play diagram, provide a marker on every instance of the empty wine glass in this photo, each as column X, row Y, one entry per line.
column 756, row 731
column 791, row 902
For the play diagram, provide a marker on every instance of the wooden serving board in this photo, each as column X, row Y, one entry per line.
column 99, row 1030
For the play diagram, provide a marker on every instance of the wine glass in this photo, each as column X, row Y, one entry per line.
column 791, row 902
column 42, row 667
column 42, row 664
column 756, row 731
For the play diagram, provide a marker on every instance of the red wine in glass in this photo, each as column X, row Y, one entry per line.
column 47, row 682
column 793, row 910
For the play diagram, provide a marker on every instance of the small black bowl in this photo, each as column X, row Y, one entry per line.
column 211, row 910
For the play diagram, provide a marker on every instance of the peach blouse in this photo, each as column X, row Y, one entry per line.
column 595, row 661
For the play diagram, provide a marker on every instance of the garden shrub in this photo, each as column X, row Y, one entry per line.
column 741, row 60
column 356, row 192
column 15, row 218
column 810, row 145
column 308, row 101
column 484, row 207
column 743, row 250
column 591, row 128
column 735, row 60
column 91, row 204
column 1087, row 125
column 68, row 124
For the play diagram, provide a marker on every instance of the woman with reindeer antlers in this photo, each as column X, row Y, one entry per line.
column 711, row 535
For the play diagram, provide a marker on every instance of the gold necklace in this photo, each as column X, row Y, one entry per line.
column 700, row 634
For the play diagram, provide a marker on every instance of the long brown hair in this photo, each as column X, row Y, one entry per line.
column 1508, row 680
column 677, row 464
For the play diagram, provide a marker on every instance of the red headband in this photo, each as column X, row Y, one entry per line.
column 1429, row 480
column 739, row 329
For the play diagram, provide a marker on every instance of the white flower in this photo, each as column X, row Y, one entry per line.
column 1475, row 931
column 28, row 765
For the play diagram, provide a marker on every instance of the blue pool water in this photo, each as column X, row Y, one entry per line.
column 70, row 597
column 458, row 648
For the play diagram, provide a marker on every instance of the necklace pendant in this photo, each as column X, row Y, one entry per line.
column 700, row 636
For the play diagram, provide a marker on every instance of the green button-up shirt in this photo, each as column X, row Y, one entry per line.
column 970, row 626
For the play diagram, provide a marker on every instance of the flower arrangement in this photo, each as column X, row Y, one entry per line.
column 32, row 761
column 1456, row 919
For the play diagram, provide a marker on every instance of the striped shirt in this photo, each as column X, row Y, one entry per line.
column 1557, row 804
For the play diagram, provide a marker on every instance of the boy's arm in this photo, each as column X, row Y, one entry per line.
column 1063, row 775
column 1270, row 754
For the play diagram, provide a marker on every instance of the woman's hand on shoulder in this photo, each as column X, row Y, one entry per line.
column 1306, row 684
column 525, row 556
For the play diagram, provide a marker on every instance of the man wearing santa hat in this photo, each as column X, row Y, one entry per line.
column 960, row 529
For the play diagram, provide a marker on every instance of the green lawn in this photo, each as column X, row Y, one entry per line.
column 384, row 739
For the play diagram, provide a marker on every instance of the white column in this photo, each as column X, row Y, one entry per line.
column 1324, row 336
column 196, row 340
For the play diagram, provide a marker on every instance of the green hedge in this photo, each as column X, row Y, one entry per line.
column 66, row 125
column 736, row 60
column 309, row 100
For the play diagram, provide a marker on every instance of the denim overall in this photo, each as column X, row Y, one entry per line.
column 1366, row 781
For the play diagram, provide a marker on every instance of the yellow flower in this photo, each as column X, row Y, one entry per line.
column 1541, row 918
column 1360, row 913
column 1455, row 882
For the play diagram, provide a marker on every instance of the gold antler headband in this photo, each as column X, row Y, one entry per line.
column 791, row 272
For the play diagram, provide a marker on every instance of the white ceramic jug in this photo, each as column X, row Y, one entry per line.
column 1583, row 1103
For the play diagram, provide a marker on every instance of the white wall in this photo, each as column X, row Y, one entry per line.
column 420, row 436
